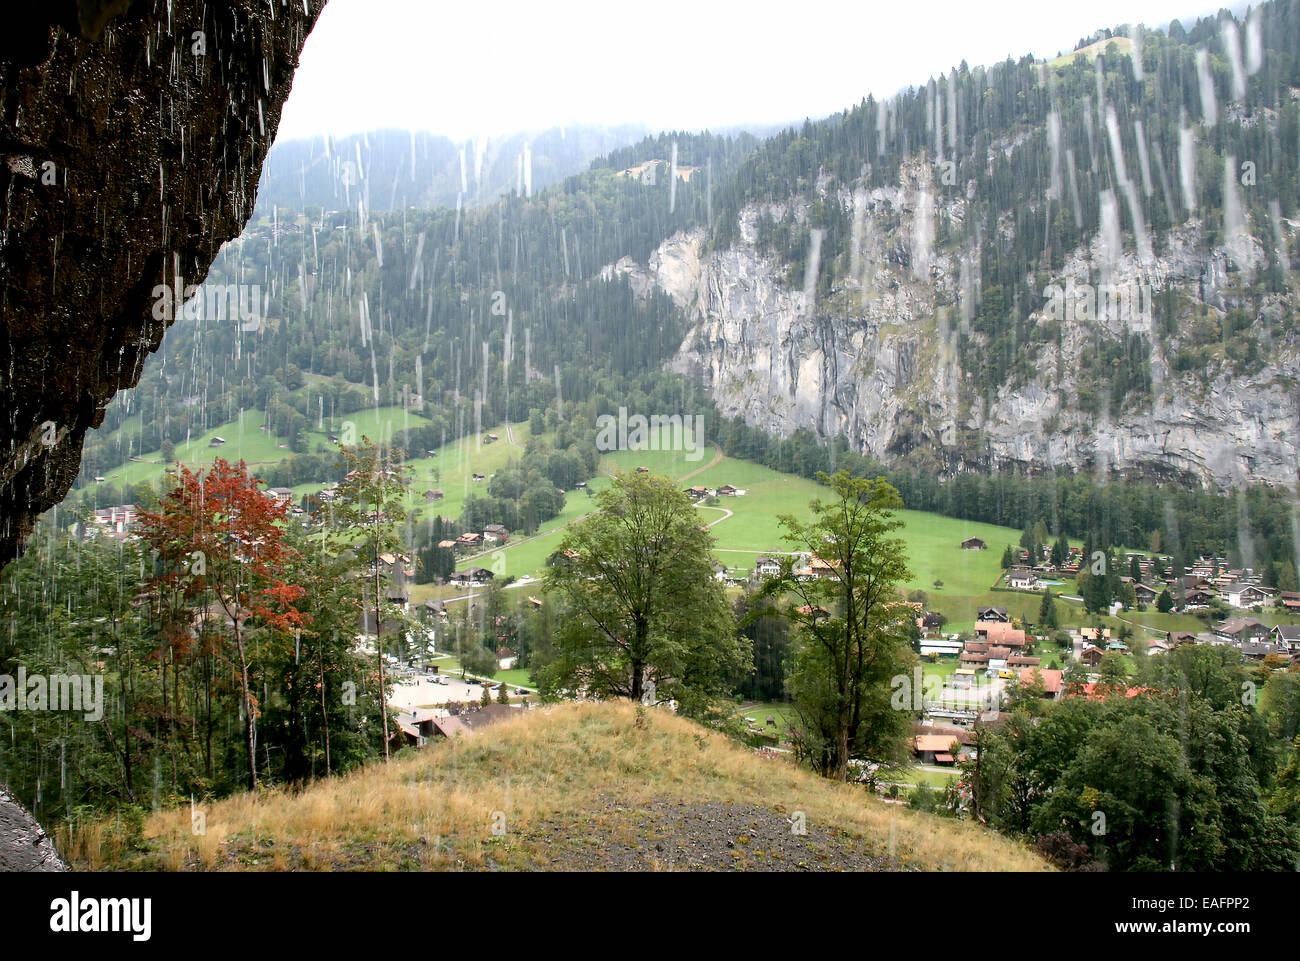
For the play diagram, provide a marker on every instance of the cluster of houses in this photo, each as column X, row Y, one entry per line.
column 418, row 726
column 1255, row 639
column 473, row 541
column 699, row 493
column 1205, row 582
column 1197, row 590
column 117, row 522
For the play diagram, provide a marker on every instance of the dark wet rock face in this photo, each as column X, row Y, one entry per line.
column 131, row 142
column 23, row 845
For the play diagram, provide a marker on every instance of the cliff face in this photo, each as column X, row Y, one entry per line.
column 133, row 136
column 877, row 360
column 23, row 845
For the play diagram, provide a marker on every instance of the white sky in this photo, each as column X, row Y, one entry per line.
column 501, row 66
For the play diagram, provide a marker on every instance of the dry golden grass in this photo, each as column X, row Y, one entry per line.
column 474, row 803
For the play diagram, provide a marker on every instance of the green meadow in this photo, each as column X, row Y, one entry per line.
column 956, row 582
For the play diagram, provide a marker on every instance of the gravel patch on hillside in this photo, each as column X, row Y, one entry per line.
column 669, row 835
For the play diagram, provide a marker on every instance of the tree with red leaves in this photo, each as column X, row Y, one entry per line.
column 217, row 535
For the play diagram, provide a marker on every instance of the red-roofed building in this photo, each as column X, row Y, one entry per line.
column 1053, row 681
column 1091, row 692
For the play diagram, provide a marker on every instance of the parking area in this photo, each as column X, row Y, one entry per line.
column 422, row 691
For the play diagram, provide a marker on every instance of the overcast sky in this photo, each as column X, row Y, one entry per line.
column 495, row 67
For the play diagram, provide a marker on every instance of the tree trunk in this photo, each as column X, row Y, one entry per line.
column 379, row 647
column 324, row 715
column 248, row 712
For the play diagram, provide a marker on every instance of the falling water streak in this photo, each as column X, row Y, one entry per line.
column 672, row 182
column 923, row 233
column 1144, row 159
column 1075, row 205
column 811, row 268
column 855, row 248
column 1187, row 168
column 1209, row 104
column 1236, row 238
column 1279, row 235
column 1254, row 43
column 1232, row 47
column 1054, row 146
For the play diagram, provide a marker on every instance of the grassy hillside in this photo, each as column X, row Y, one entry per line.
column 247, row 439
column 575, row 786
column 746, row 527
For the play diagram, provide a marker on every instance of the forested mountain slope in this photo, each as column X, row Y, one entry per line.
column 1083, row 266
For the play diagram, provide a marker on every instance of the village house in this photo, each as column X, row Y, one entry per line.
column 472, row 721
column 726, row 490
column 1246, row 595
column 1000, row 634
column 280, row 495
column 698, row 492
column 1258, row 650
column 767, row 567
column 1022, row 660
column 1093, row 635
column 1287, row 637
column 472, row 577
column 496, row 533
column 478, row 477
column 1091, row 656
column 433, row 495
column 1145, row 594
column 936, row 748
column 468, row 540
column 1289, row 600
column 1197, row 599
column 998, row 658
column 973, row 544
column 992, row 614
column 216, row 442
column 941, row 647
column 1023, row 581
column 820, row 568
column 1053, row 681
column 115, row 521
column 390, row 625
column 1238, row 630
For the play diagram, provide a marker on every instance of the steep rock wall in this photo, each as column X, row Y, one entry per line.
column 132, row 139
column 876, row 362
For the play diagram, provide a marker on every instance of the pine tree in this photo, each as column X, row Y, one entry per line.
column 1047, row 611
